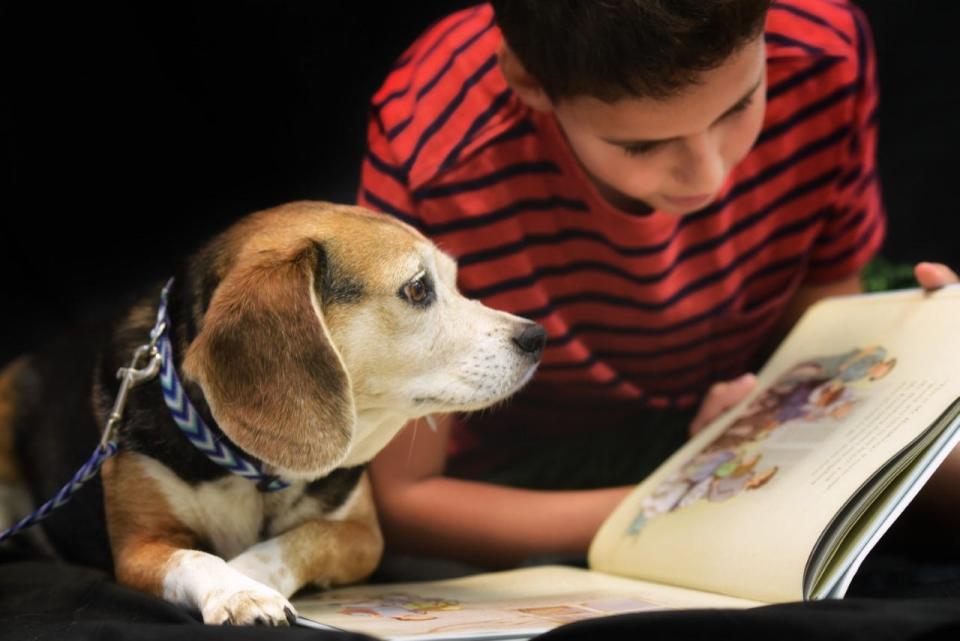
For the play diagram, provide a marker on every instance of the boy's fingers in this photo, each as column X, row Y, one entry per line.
column 721, row 397
column 934, row 275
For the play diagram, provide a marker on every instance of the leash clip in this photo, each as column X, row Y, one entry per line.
column 134, row 375
column 131, row 377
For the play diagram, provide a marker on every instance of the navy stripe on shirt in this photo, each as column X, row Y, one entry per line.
column 806, row 112
column 852, row 221
column 437, row 124
column 399, row 128
column 475, row 127
column 819, row 67
column 847, row 179
column 716, row 310
column 787, row 41
column 519, row 130
column 795, row 227
column 544, row 205
column 862, row 240
column 385, row 207
column 565, row 235
column 800, row 13
column 487, row 180
column 679, row 348
column 653, row 375
column 422, row 58
column 747, row 222
column 428, row 87
column 385, row 168
column 771, row 171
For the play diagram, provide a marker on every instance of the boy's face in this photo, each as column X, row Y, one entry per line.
column 672, row 155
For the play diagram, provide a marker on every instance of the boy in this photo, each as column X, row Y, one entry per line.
column 665, row 187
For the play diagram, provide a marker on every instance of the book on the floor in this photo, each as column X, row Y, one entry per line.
column 779, row 499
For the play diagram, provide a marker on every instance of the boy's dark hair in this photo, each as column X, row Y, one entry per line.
column 612, row 49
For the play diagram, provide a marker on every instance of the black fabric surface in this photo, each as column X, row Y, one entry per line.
column 893, row 598
column 44, row 600
column 848, row 620
column 130, row 132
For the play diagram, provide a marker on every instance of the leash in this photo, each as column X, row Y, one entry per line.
column 150, row 359
column 130, row 377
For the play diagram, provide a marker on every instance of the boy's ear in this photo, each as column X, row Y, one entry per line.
column 527, row 88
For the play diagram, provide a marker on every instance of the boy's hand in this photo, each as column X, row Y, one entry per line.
column 720, row 398
column 723, row 396
column 934, row 275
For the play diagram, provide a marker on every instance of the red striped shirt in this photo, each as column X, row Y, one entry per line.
column 640, row 310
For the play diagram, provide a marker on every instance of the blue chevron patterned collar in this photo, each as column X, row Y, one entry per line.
column 190, row 422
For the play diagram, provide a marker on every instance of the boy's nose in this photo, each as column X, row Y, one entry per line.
column 701, row 167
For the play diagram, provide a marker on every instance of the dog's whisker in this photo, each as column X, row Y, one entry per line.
column 413, row 438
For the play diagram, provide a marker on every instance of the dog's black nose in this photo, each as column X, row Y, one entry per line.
column 531, row 340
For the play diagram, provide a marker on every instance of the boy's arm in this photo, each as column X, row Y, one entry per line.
column 808, row 294
column 425, row 513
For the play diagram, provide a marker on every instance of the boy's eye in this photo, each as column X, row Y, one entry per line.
column 640, row 148
column 740, row 106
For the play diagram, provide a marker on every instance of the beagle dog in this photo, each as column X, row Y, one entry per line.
column 306, row 336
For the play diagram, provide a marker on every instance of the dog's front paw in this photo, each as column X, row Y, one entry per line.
column 250, row 605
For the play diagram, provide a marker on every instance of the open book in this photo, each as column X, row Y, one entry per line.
column 780, row 499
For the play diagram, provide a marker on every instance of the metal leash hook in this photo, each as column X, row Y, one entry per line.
column 130, row 377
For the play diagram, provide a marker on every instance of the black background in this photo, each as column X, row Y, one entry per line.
column 132, row 131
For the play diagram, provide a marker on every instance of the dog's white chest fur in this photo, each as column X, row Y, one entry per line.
column 231, row 514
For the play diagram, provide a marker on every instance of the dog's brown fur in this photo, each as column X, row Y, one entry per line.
column 143, row 530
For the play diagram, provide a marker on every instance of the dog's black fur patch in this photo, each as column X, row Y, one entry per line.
column 334, row 286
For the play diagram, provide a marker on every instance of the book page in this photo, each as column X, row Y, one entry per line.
column 851, row 551
column 739, row 509
column 511, row 604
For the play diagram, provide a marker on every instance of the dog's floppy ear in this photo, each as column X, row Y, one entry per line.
column 274, row 381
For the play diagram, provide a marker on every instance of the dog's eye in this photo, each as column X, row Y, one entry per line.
column 416, row 291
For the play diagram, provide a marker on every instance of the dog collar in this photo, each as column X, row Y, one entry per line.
column 189, row 421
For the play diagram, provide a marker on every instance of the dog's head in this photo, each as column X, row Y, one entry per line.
column 327, row 323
